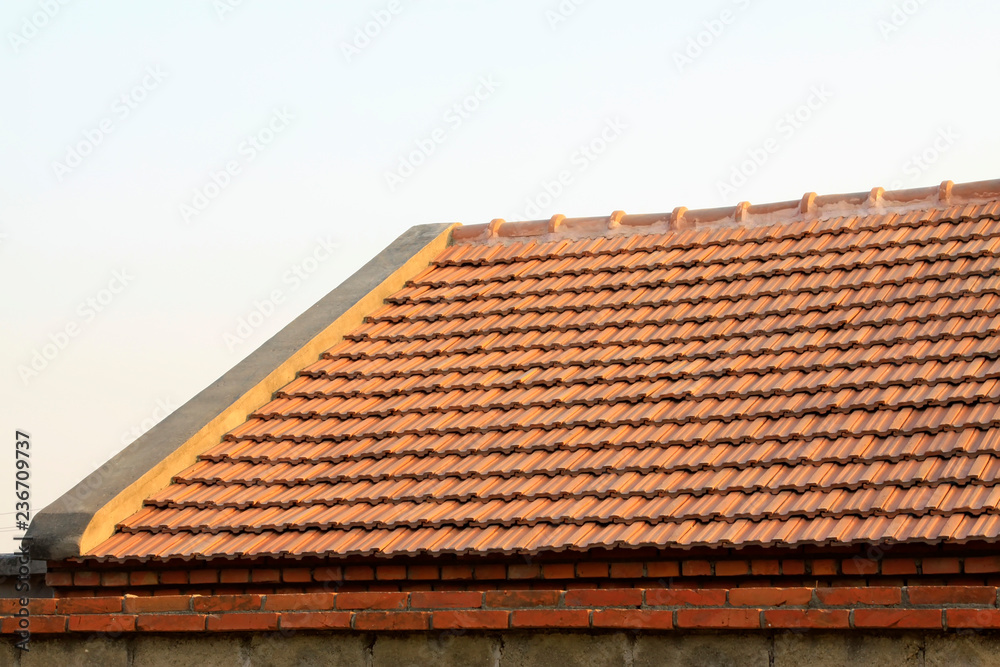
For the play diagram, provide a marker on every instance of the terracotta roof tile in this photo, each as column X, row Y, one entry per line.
column 823, row 371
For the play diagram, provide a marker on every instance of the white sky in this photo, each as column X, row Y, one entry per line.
column 93, row 184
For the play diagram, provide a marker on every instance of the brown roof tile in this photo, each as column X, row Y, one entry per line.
column 823, row 371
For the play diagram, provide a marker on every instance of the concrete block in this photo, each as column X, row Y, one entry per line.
column 439, row 650
column 75, row 652
column 566, row 649
column 204, row 651
column 969, row 649
column 701, row 650
column 855, row 648
column 8, row 654
column 308, row 650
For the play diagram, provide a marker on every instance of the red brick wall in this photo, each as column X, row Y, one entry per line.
column 900, row 607
column 895, row 569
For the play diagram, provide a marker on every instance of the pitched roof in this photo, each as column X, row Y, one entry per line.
column 823, row 371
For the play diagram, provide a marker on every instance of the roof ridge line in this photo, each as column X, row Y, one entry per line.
column 809, row 207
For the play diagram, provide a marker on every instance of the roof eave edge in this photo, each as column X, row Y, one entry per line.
column 87, row 514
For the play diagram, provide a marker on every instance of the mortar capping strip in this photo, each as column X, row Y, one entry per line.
column 811, row 206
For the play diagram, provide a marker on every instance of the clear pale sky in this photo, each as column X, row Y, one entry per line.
column 169, row 169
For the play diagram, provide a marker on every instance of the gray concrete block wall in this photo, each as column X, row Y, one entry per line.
column 514, row 649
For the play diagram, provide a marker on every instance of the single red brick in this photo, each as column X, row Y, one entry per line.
column 859, row 566
column 226, row 603
column 390, row 572
column 605, row 597
column 550, row 618
column 170, row 623
column 973, row 618
column 823, row 567
column 792, row 567
column 234, row 576
column 953, row 595
column 86, row 579
column 296, row 574
column 558, row 570
column 423, row 572
column 473, row 619
column 268, row 575
column 874, row 595
column 681, row 597
column 897, row 618
column 247, row 621
column 769, row 597
column 696, row 568
column 718, row 618
column 982, row 564
column 626, row 571
column 359, row 573
column 300, row 601
column 446, row 599
column 44, row 625
column 316, row 620
column 156, row 603
column 201, row 577
column 59, row 578
column 649, row 619
column 663, row 569
column 101, row 623
column 899, row 566
column 765, row 567
column 491, row 572
column 371, row 601
column 452, row 572
column 334, row 573
column 522, row 598
column 523, row 571
column 807, row 618
column 940, row 566
column 731, row 568
column 591, row 570
column 180, row 577
column 89, row 605
column 143, row 578
column 392, row 620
